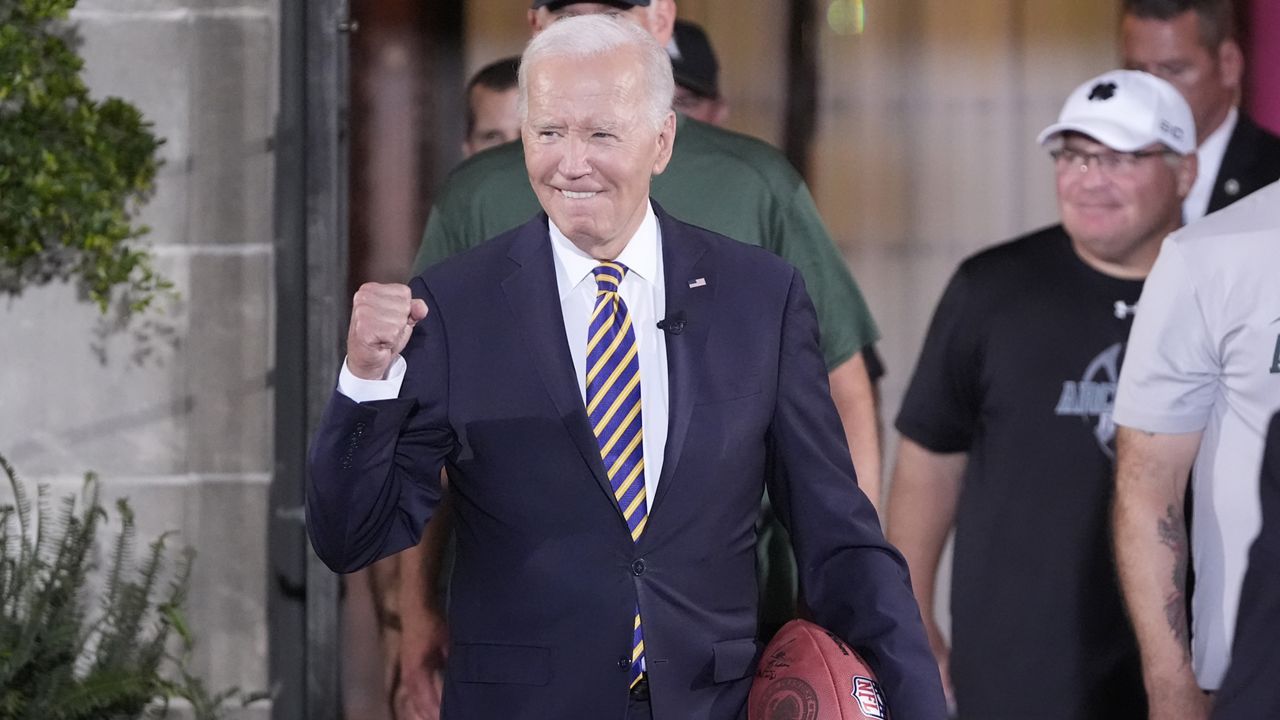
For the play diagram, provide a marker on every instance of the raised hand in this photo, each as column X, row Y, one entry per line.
column 382, row 320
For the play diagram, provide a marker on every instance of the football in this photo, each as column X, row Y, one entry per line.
column 807, row 673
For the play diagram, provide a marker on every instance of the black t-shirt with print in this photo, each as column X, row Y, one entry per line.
column 1019, row 370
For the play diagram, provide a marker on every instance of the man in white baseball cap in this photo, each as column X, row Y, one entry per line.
column 1126, row 110
column 1006, row 426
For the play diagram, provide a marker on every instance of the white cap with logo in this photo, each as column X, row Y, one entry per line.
column 1127, row 110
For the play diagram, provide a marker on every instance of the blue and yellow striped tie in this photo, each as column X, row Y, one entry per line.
column 613, row 404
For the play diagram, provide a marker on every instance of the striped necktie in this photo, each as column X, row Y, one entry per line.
column 613, row 405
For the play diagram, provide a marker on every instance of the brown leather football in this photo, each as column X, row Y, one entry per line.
column 806, row 673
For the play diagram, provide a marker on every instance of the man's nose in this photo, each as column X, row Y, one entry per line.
column 1092, row 174
column 576, row 160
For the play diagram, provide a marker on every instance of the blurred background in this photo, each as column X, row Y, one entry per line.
column 304, row 142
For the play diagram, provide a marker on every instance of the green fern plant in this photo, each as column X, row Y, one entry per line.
column 60, row 658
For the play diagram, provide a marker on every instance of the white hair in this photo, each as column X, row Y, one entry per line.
column 586, row 36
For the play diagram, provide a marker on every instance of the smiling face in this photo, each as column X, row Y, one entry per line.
column 591, row 148
column 1117, row 219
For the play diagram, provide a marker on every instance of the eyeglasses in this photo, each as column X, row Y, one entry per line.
column 1110, row 162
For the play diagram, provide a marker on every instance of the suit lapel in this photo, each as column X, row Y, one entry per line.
column 534, row 301
column 1235, row 175
column 686, row 262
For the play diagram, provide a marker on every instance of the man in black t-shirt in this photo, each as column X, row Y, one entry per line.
column 1006, row 425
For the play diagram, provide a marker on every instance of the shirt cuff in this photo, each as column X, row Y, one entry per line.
column 362, row 390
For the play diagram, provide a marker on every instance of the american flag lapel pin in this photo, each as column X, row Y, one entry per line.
column 700, row 282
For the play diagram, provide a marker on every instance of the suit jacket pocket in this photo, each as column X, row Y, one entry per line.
column 492, row 663
column 733, row 659
column 722, row 387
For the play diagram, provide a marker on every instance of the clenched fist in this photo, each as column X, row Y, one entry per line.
column 382, row 319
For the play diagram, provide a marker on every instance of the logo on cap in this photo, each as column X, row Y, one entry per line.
column 1103, row 91
column 1170, row 128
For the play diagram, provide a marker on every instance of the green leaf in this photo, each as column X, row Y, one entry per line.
column 72, row 168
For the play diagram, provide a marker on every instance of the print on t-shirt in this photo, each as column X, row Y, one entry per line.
column 1092, row 397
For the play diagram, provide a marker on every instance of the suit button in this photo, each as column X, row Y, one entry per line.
column 637, row 568
column 624, row 663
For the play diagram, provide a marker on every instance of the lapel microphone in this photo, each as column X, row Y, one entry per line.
column 673, row 324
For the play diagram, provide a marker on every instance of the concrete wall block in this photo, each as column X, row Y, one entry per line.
column 183, row 391
column 77, row 393
column 226, row 521
column 233, row 96
column 157, row 83
column 166, row 215
column 207, row 82
column 147, row 61
column 228, row 355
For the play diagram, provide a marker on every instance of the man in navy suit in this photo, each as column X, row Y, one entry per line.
column 610, row 390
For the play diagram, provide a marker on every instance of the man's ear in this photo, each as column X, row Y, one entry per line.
column 532, row 16
column 1230, row 64
column 1187, row 170
column 666, row 143
column 662, row 21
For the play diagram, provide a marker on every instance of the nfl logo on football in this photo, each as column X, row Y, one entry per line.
column 870, row 700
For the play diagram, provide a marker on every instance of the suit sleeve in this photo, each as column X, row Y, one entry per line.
column 373, row 476
column 855, row 582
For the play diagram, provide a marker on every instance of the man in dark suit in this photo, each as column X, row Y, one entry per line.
column 1192, row 44
column 1250, row 690
column 611, row 390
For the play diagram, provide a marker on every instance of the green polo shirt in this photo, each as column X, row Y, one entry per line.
column 720, row 180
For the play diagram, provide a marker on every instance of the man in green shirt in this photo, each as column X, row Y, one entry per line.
column 730, row 183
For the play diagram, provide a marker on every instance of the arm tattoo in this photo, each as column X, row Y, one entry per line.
column 1173, row 534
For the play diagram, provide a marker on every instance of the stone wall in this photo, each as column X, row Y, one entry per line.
column 186, row 433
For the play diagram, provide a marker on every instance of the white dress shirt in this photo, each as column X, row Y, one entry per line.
column 1209, row 161
column 645, row 295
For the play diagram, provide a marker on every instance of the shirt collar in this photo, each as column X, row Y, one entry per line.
column 640, row 255
column 1215, row 145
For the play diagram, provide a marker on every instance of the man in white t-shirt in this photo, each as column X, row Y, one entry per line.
column 1200, row 380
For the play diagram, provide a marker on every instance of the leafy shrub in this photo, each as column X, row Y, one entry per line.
column 72, row 169
column 60, row 659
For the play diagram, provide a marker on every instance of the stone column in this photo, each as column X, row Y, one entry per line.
column 184, row 430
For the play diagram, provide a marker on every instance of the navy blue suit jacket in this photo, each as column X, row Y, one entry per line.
column 547, row 576
column 1251, row 688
